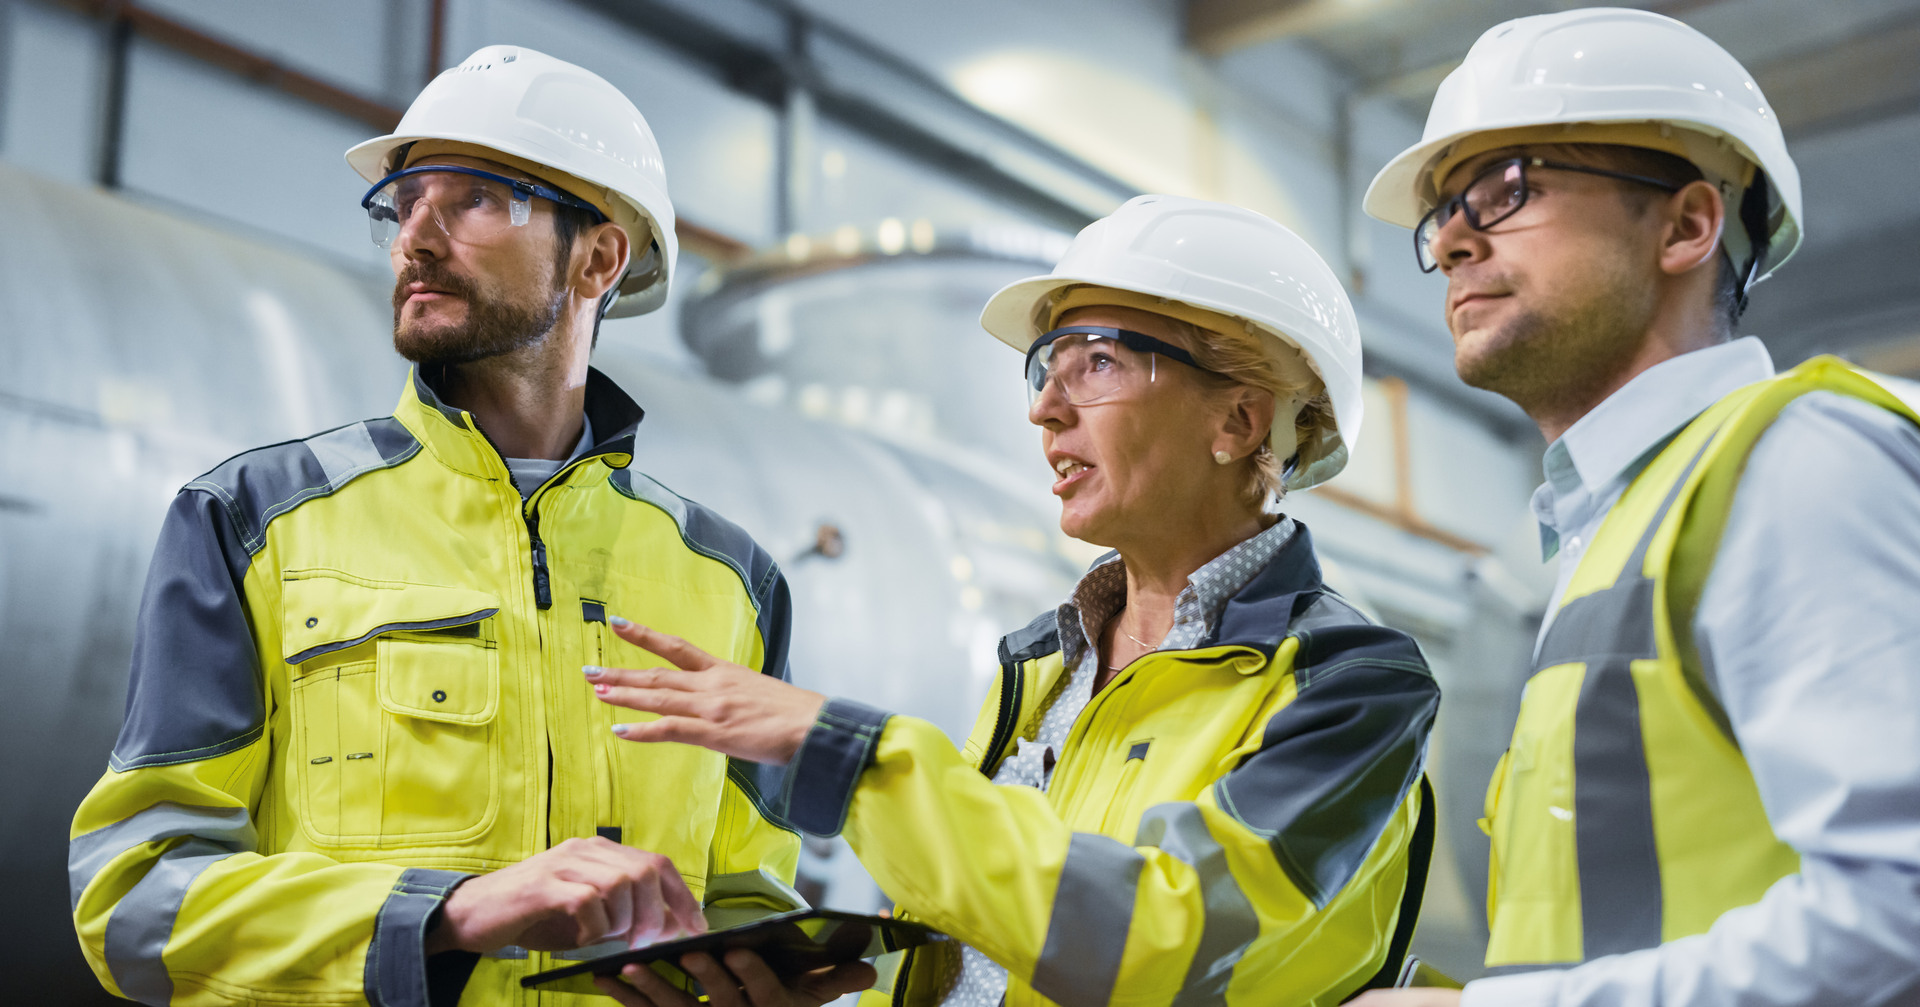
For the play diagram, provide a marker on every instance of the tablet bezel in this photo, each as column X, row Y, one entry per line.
column 894, row 934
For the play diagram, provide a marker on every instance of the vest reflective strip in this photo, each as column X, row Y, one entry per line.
column 1618, row 859
column 1092, row 912
column 346, row 453
column 1230, row 924
column 89, row 854
column 142, row 924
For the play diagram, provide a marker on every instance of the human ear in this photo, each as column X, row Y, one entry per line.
column 599, row 258
column 1246, row 422
column 1691, row 228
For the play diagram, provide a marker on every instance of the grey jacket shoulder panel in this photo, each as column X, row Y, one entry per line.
column 260, row 485
column 193, row 691
column 707, row 533
column 1337, row 762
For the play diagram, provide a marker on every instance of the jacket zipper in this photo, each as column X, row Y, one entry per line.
column 899, row 996
column 1012, row 683
column 542, row 581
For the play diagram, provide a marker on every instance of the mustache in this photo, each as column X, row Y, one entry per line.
column 432, row 274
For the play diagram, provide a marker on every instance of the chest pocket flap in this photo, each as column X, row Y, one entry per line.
column 395, row 689
column 324, row 611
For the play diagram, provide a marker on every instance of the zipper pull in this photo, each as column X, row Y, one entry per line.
column 542, row 585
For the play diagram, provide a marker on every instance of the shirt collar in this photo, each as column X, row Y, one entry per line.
column 1617, row 433
column 1608, row 446
column 1102, row 590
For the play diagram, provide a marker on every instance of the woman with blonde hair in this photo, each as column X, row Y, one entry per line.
column 1195, row 780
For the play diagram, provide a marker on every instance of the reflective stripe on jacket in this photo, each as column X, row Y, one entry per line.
column 1226, row 824
column 1623, row 815
column 356, row 680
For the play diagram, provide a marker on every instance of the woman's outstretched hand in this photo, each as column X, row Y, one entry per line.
column 705, row 701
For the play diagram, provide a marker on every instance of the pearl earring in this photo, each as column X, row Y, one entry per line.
column 1222, row 457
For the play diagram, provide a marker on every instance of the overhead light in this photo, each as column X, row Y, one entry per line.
column 922, row 236
column 891, row 236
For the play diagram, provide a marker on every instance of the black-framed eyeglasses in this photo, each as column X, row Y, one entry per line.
column 1095, row 362
column 1496, row 193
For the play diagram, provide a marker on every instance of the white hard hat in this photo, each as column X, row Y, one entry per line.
column 562, row 123
column 1609, row 75
column 1225, row 260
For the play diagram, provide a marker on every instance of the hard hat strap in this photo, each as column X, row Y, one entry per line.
column 1754, row 206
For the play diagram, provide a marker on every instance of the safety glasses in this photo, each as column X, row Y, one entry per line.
column 468, row 204
column 1094, row 363
column 1496, row 193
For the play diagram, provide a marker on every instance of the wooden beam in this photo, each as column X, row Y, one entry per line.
column 189, row 41
column 193, row 42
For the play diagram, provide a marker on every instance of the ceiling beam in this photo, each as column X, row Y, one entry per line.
column 1217, row 27
column 1869, row 76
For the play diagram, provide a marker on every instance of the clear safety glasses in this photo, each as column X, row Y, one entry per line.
column 1498, row 192
column 1093, row 363
column 468, row 204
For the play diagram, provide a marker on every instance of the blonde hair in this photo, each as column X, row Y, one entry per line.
column 1237, row 355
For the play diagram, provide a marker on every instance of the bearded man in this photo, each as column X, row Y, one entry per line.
column 360, row 762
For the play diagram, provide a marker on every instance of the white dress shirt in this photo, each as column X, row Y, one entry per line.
column 1809, row 628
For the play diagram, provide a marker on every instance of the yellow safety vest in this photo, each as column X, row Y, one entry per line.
column 1623, row 814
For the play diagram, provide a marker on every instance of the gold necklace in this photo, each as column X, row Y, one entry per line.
column 1142, row 644
column 1145, row 647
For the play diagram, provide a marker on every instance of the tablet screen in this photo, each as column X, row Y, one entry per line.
column 790, row 943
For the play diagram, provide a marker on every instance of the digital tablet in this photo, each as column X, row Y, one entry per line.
column 790, row 943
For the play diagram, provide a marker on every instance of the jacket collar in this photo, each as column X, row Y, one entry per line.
column 453, row 436
column 1258, row 615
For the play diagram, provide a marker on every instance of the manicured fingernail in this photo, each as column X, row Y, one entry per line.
column 601, row 689
column 620, row 729
column 617, row 621
column 591, row 671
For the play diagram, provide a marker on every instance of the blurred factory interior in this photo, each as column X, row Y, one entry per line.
column 184, row 273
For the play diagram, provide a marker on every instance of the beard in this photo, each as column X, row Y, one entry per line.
column 495, row 325
column 1561, row 352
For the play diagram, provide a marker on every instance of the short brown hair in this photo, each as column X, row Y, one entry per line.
column 1678, row 172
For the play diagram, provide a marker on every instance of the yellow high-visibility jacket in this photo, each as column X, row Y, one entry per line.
column 1227, row 824
column 1624, row 815
column 356, row 681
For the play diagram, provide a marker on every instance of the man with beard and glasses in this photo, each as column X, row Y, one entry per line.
column 1712, row 796
column 360, row 762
